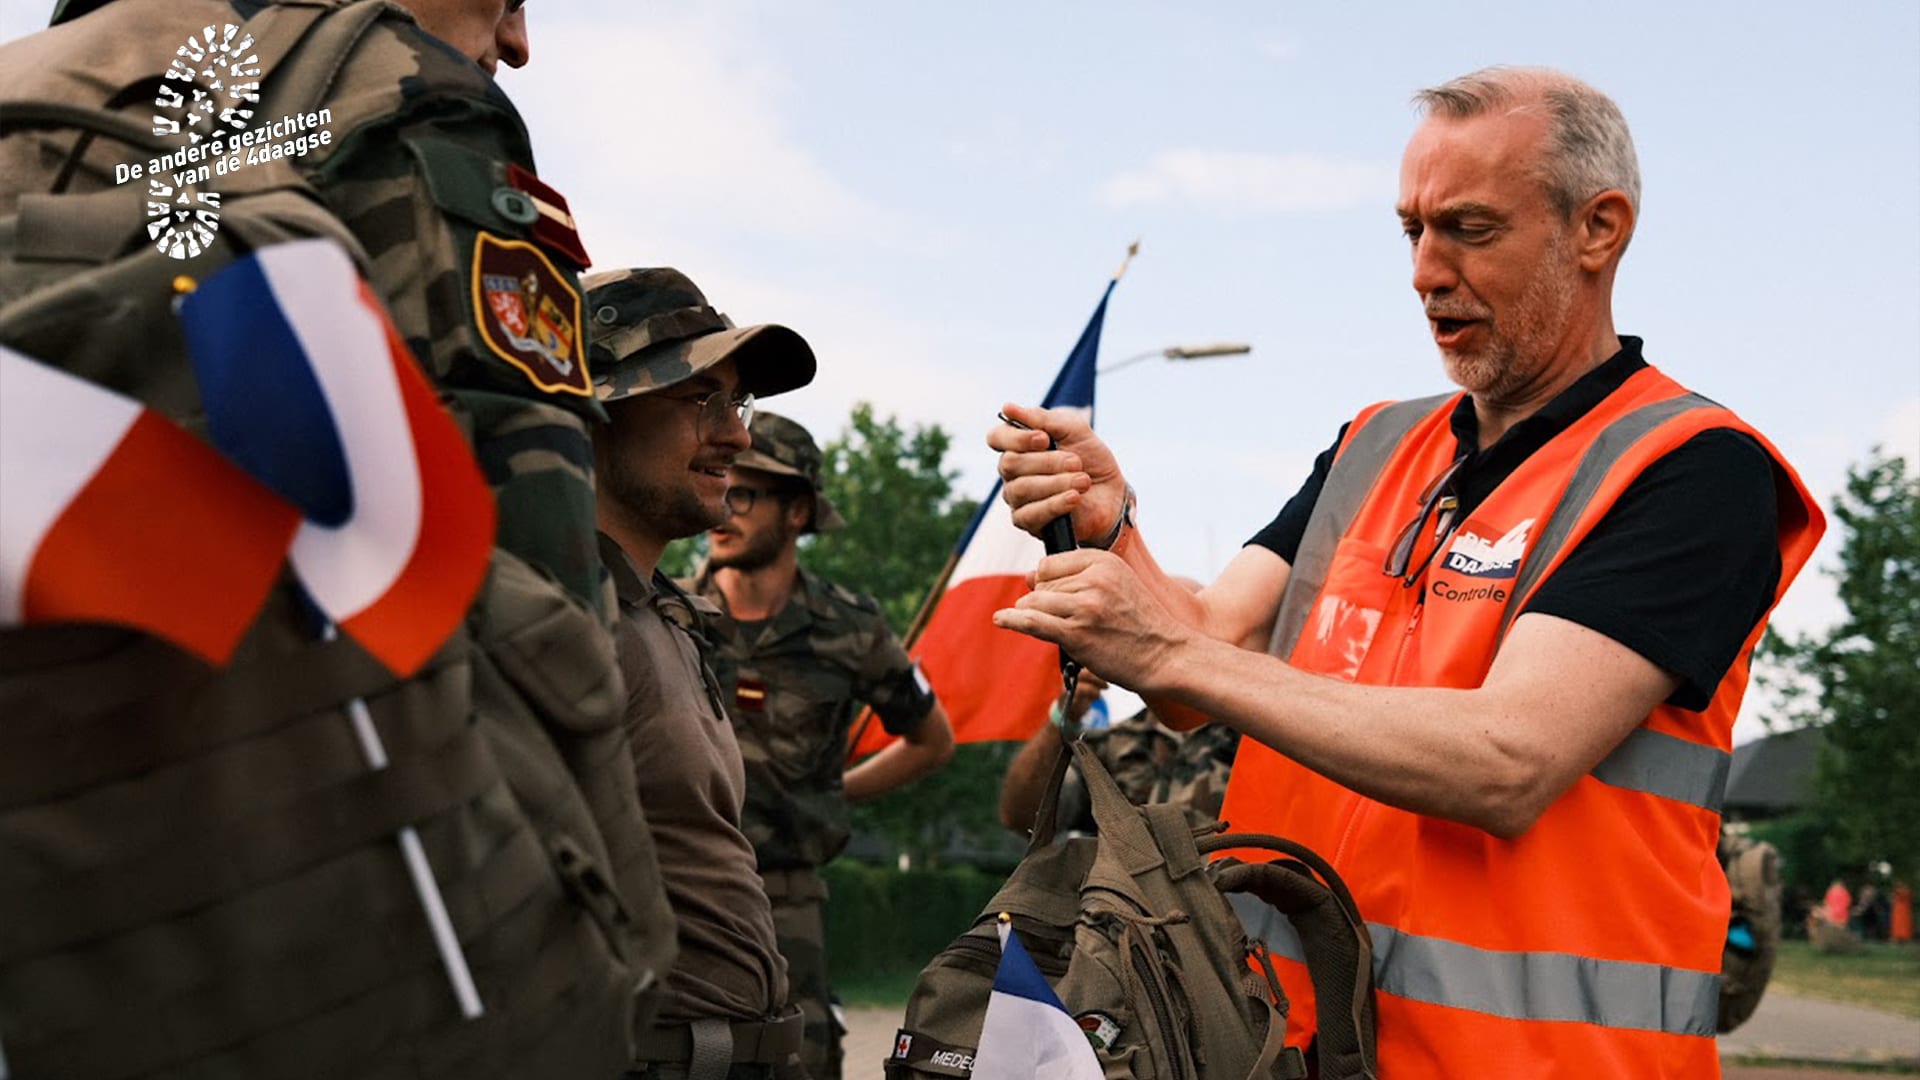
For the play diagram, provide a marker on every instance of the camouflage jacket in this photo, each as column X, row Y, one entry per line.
column 141, row 757
column 1154, row 764
column 793, row 685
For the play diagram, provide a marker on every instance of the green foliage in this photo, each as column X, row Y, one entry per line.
column 903, row 519
column 1860, row 680
column 1808, row 859
column 883, row 924
column 950, row 815
column 682, row 558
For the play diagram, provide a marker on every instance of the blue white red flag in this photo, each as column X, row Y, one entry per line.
column 995, row 683
column 308, row 387
column 1028, row 1034
column 109, row 512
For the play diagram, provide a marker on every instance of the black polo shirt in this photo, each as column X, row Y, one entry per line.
column 1679, row 569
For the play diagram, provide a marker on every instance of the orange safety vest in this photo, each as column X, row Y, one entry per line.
column 1590, row 946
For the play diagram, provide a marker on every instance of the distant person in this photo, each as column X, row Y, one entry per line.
column 797, row 657
column 1151, row 763
column 679, row 382
column 1837, row 907
column 1494, row 647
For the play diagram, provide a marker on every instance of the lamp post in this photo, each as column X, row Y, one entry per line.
column 1182, row 352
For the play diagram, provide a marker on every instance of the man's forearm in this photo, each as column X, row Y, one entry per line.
column 1493, row 757
column 903, row 762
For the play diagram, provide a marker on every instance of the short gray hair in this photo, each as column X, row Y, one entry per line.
column 1589, row 148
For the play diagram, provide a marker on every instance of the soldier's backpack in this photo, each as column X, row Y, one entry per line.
column 199, row 872
column 1138, row 933
column 1753, row 927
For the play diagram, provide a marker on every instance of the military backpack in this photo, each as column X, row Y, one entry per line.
column 199, row 872
column 1138, row 933
column 1753, row 927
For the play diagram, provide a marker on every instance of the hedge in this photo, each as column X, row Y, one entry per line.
column 883, row 922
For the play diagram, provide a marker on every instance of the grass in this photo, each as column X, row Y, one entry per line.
column 1882, row 975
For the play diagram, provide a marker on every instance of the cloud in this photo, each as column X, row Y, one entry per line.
column 679, row 126
column 1244, row 183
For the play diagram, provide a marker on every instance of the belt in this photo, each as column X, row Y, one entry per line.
column 799, row 884
column 708, row 1047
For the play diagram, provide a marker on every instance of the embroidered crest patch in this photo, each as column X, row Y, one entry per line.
column 529, row 314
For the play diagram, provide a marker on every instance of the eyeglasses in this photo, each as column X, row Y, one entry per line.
column 740, row 498
column 716, row 407
column 1438, row 496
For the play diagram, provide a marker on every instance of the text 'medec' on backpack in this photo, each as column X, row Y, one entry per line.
column 1135, row 930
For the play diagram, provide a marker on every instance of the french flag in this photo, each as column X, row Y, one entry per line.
column 1028, row 1034
column 109, row 512
column 995, row 683
column 310, row 389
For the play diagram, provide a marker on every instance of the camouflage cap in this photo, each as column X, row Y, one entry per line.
column 651, row 328
column 784, row 448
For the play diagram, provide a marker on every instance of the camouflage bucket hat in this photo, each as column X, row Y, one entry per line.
column 650, row 328
column 784, row 448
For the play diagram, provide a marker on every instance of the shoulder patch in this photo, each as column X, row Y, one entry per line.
column 553, row 224
column 529, row 314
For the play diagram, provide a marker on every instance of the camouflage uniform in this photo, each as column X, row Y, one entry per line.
column 152, row 809
column 1154, row 764
column 793, row 684
column 651, row 329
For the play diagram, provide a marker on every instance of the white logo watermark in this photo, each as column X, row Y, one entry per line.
column 207, row 100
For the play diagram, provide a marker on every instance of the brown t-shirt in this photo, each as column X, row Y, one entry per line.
column 692, row 785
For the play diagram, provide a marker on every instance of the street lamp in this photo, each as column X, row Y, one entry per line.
column 1183, row 352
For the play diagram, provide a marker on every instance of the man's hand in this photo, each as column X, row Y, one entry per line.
column 1079, row 478
column 1093, row 604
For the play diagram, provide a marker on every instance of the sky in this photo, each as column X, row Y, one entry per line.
column 934, row 195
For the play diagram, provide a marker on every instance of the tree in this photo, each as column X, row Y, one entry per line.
column 1860, row 680
column 903, row 519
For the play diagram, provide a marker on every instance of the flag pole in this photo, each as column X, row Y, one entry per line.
column 414, row 854
column 927, row 604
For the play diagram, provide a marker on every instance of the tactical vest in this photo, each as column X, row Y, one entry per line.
column 198, row 869
column 1589, row 946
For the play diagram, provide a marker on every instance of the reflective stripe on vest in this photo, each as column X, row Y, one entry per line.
column 1515, row 985
column 1593, row 469
column 1349, row 480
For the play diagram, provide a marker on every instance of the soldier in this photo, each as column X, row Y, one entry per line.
column 679, row 382
column 198, row 871
column 1151, row 762
column 797, row 657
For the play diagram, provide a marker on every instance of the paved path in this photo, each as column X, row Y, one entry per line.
column 1806, row 1029
column 1785, row 1026
column 869, row 1040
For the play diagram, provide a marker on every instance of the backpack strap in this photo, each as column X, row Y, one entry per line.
column 1334, row 941
column 319, row 37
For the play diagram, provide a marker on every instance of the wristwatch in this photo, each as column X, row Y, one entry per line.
column 1120, row 524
